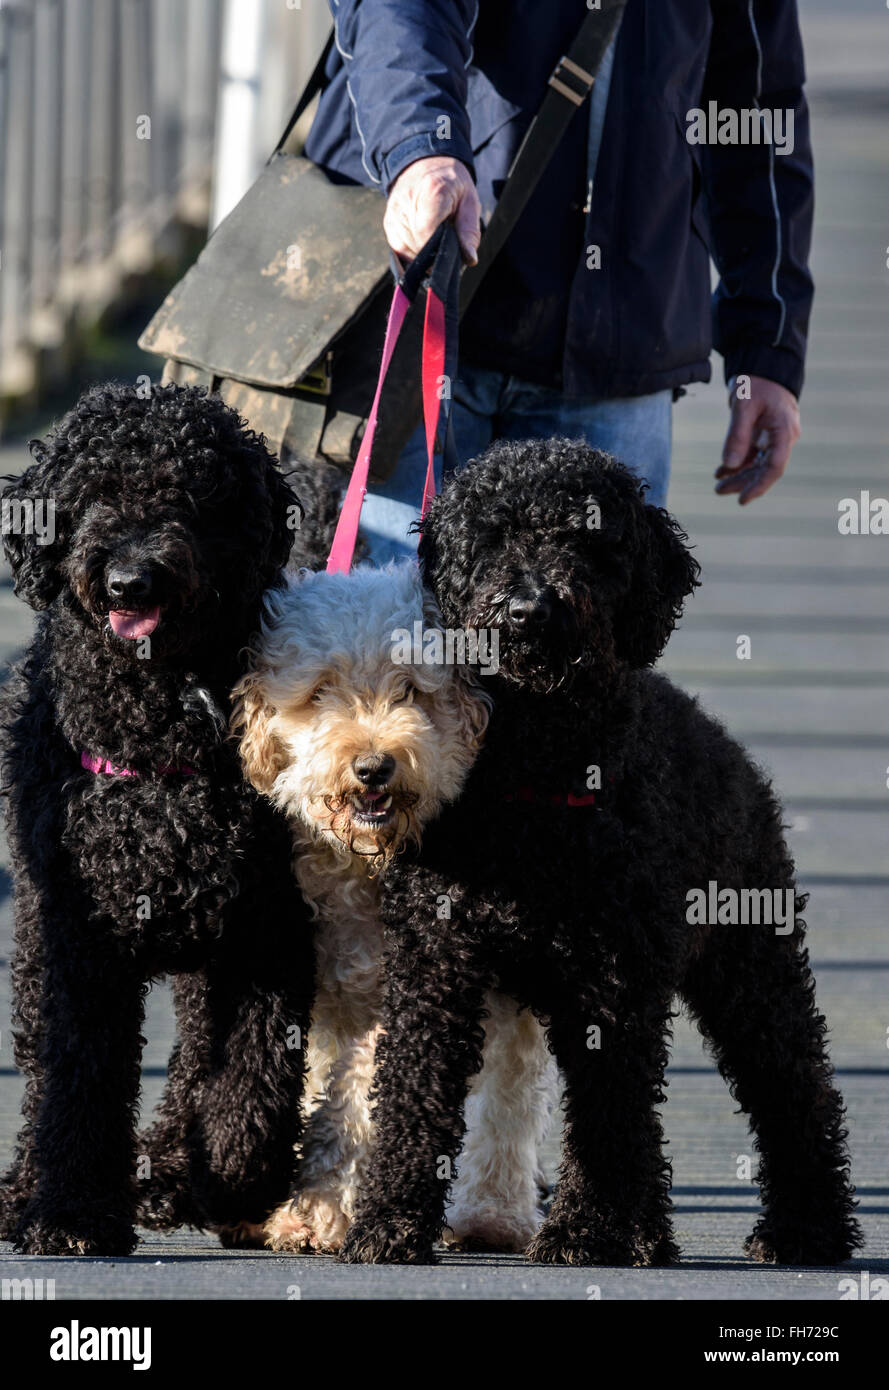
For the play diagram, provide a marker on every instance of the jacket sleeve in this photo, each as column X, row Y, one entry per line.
column 760, row 202
column 406, row 63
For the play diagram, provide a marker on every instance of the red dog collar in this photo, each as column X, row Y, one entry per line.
column 554, row 798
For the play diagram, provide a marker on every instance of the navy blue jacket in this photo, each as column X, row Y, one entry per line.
column 645, row 320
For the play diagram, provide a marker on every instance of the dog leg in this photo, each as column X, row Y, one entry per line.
column 495, row 1200
column 19, row 1183
column 755, row 1004
column 612, row 1203
column 81, row 1145
column 166, row 1198
column 171, row 1157
column 342, row 1042
column 430, row 1046
column 336, row 1151
column 221, row 1151
column 248, row 1120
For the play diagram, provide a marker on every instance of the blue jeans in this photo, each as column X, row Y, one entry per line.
column 490, row 405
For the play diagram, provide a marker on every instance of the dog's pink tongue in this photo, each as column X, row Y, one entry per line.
column 133, row 625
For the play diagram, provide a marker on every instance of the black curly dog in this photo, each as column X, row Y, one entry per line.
column 137, row 848
column 575, row 901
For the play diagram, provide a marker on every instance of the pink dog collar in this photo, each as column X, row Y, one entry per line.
column 102, row 765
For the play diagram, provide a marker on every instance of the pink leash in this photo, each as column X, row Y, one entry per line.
column 346, row 536
column 342, row 550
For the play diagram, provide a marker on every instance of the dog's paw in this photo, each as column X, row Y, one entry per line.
column 166, row 1207
column 12, row 1204
column 658, row 1253
column 41, row 1235
column 244, row 1235
column 773, row 1245
column 490, row 1227
column 561, row 1243
column 313, row 1221
column 386, row 1242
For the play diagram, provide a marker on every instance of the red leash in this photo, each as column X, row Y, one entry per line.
column 442, row 254
column 434, row 345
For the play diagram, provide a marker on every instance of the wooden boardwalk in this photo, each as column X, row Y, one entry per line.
column 811, row 704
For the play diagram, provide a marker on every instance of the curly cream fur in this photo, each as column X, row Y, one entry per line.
column 323, row 690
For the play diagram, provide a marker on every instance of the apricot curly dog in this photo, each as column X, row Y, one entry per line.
column 362, row 750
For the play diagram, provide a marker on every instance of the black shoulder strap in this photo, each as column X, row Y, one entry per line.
column 570, row 84
column 312, row 87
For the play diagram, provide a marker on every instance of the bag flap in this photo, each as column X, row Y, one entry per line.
column 289, row 268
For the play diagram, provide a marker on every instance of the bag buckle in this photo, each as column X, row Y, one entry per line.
column 318, row 377
column 571, row 80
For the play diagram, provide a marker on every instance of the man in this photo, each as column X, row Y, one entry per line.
column 596, row 314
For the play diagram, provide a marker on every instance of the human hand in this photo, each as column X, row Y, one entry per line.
column 425, row 194
column 761, row 435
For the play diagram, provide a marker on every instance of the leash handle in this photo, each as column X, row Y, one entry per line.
column 440, row 260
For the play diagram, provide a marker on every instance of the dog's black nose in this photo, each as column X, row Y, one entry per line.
column 529, row 611
column 373, row 769
column 128, row 584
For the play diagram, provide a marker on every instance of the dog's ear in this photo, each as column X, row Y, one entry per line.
column 263, row 755
column 663, row 574
column 32, row 529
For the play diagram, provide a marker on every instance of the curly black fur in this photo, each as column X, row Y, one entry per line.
column 180, row 868
column 321, row 488
column 579, row 911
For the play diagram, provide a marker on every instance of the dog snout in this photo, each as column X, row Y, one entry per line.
column 373, row 769
column 529, row 611
column 129, row 585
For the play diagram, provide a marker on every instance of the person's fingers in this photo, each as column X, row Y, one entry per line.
column 763, row 470
column 397, row 231
column 437, row 200
column 409, row 223
column 468, row 224
column 742, row 479
column 738, row 441
column 732, row 479
column 425, row 194
column 776, row 462
column 761, row 435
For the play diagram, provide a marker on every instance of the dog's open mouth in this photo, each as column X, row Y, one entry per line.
column 373, row 809
column 380, row 818
column 132, row 624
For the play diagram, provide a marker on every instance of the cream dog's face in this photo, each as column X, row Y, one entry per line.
column 360, row 747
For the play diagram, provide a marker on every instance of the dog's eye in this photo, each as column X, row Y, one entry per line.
column 317, row 694
column 405, row 696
